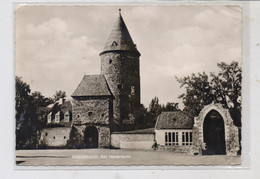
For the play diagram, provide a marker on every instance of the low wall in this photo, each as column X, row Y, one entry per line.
column 132, row 141
column 136, row 145
column 181, row 149
column 54, row 137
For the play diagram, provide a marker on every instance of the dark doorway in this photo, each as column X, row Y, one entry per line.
column 214, row 134
column 91, row 137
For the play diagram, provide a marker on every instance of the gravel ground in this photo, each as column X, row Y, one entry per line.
column 109, row 157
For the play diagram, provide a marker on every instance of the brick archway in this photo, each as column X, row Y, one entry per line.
column 231, row 131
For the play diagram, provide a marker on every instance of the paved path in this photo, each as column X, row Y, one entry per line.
column 109, row 157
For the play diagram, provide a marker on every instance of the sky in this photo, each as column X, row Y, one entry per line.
column 55, row 45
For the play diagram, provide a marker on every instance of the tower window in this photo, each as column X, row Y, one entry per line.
column 132, row 90
column 53, row 137
column 120, row 86
column 78, row 116
column 90, row 114
column 102, row 114
column 46, row 134
column 110, row 61
column 114, row 43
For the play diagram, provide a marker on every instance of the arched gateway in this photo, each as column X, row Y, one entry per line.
column 91, row 137
column 214, row 132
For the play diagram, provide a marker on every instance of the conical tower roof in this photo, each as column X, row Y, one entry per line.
column 120, row 38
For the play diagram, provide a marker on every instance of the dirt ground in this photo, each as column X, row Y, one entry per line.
column 109, row 157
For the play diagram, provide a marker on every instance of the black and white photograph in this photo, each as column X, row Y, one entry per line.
column 128, row 85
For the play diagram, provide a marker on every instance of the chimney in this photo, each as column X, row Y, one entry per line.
column 61, row 101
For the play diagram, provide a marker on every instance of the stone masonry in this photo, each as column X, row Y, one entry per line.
column 231, row 131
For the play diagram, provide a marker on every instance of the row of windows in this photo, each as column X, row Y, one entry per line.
column 173, row 138
column 57, row 118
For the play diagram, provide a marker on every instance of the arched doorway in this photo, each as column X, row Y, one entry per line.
column 91, row 137
column 214, row 134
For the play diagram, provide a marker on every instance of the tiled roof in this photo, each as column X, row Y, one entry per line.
column 173, row 120
column 66, row 106
column 138, row 131
column 120, row 38
column 60, row 109
column 92, row 85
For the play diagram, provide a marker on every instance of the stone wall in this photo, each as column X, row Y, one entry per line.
column 54, row 137
column 104, row 136
column 90, row 110
column 121, row 70
column 117, row 139
column 231, row 131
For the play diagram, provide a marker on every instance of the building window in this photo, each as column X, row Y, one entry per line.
column 186, row 138
column 90, row 114
column 78, row 116
column 132, row 90
column 64, row 137
column 53, row 137
column 110, row 61
column 102, row 115
column 46, row 134
column 67, row 118
column 49, row 119
column 57, row 118
column 171, row 138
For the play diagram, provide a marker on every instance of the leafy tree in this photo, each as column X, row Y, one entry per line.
column 171, row 107
column 198, row 92
column 40, row 103
column 30, row 114
column 223, row 87
column 154, row 107
column 227, row 89
column 39, row 100
column 59, row 94
column 25, row 113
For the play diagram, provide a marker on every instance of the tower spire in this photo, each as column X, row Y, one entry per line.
column 120, row 38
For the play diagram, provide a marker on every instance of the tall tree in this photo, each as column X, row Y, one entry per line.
column 154, row 107
column 59, row 94
column 25, row 113
column 171, row 107
column 40, row 103
column 227, row 88
column 223, row 87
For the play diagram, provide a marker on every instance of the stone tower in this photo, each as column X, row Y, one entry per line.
column 120, row 66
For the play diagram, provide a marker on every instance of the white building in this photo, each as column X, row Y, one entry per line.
column 173, row 131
